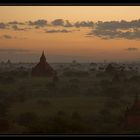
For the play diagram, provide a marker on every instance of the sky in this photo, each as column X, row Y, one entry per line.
column 66, row 33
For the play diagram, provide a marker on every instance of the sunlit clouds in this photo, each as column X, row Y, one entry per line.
column 82, row 33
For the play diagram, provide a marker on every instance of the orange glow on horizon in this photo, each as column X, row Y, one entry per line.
column 74, row 43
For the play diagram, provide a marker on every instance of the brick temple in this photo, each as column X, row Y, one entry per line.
column 43, row 68
column 132, row 114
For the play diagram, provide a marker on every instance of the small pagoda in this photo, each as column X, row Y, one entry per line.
column 132, row 115
column 43, row 68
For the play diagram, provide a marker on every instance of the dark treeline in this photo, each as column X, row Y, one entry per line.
column 77, row 101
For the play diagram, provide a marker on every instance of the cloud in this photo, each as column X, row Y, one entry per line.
column 58, row 31
column 115, row 25
column 12, row 25
column 61, row 22
column 16, row 28
column 11, row 37
column 6, row 37
column 68, row 24
column 135, row 34
column 114, row 34
column 43, row 23
column 38, row 23
column 15, row 23
column 104, row 34
column 131, row 49
column 84, row 24
column 58, row 22
column 117, row 30
column 2, row 25
column 106, row 30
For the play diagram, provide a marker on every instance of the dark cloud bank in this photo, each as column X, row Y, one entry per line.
column 58, row 31
column 38, row 23
column 131, row 49
column 105, row 30
column 117, row 29
column 2, row 25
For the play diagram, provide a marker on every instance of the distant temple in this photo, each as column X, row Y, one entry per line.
column 43, row 68
column 8, row 62
column 132, row 115
column 111, row 68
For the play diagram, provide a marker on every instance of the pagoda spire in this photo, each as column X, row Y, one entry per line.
column 43, row 52
column 42, row 68
column 43, row 58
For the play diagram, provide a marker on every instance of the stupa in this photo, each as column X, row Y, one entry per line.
column 43, row 68
column 132, row 115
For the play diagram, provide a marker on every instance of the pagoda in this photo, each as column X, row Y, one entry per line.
column 132, row 115
column 42, row 68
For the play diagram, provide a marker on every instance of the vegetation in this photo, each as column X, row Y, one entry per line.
column 78, row 102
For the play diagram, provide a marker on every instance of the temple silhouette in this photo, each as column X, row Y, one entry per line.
column 132, row 115
column 43, row 68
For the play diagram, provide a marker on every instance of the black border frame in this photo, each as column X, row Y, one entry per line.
column 43, row 3
column 68, row 4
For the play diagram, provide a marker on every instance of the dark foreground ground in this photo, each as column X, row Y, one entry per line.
column 78, row 102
